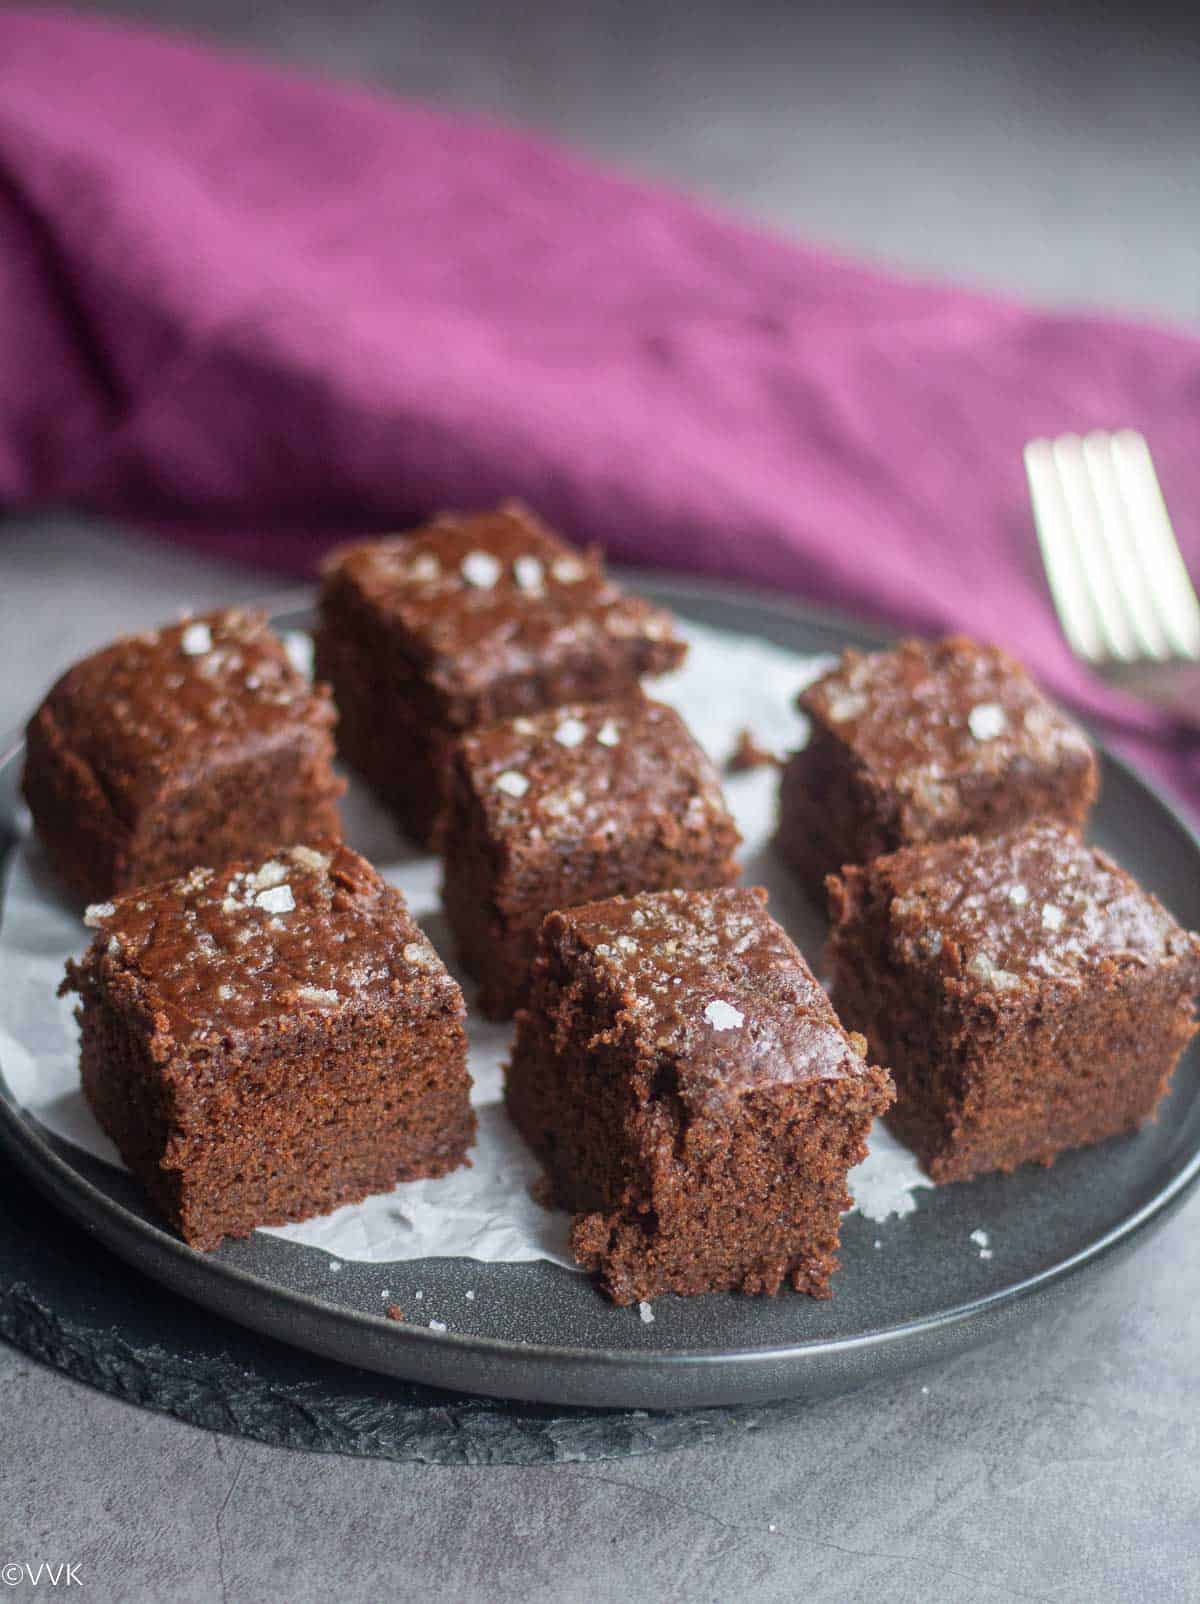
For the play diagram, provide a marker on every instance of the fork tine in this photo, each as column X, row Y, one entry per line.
column 1112, row 618
column 1119, row 533
column 1171, row 592
column 1060, row 554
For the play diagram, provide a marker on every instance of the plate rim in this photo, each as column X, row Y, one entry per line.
column 190, row 1273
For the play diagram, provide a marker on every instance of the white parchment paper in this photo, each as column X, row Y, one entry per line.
column 486, row 1212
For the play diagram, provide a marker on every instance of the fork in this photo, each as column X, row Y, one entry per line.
column 1122, row 593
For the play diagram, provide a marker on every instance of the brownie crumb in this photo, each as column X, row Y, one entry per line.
column 542, row 1192
column 394, row 1312
column 749, row 753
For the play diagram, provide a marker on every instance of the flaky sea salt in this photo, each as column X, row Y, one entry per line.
column 437, row 1325
column 270, row 874
column 481, row 569
column 225, row 993
column 96, row 912
column 424, row 568
column 570, row 732
column 987, row 721
column 568, row 570
column 528, row 573
column 842, row 706
column 1052, row 916
column 298, row 648
column 980, row 1238
column 990, row 974
column 317, row 994
column 608, row 734
column 1018, row 896
column 308, row 858
column 646, row 1312
column 512, row 783
column 470, row 1296
column 277, row 899
column 723, row 1015
column 196, row 640
column 415, row 953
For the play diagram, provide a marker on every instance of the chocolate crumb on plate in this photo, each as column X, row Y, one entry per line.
column 749, row 753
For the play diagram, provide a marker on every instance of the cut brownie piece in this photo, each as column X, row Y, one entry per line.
column 193, row 744
column 1027, row 995
column 692, row 1095
column 567, row 806
column 925, row 742
column 269, row 1041
column 462, row 623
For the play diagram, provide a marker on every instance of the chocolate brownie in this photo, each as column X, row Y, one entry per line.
column 567, row 806
column 925, row 742
column 464, row 622
column 196, row 743
column 696, row 1103
column 268, row 1041
column 1027, row 995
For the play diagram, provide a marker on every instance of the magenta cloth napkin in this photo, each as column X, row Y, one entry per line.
column 233, row 299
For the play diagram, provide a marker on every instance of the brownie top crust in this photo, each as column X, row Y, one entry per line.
column 219, row 955
column 629, row 766
column 157, row 708
column 924, row 714
column 708, row 979
column 481, row 597
column 1014, row 911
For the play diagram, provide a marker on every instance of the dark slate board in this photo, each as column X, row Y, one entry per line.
column 71, row 1304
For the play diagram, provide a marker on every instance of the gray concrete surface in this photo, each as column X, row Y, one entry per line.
column 1054, row 156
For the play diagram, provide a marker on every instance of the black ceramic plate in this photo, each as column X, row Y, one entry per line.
column 909, row 1291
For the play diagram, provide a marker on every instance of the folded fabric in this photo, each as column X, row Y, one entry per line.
column 263, row 311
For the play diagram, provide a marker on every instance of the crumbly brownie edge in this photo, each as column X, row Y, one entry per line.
column 829, row 813
column 279, row 798
column 217, row 1177
column 85, row 842
column 400, row 756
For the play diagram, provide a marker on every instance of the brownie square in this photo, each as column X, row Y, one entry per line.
column 695, row 1102
column 572, row 805
column 196, row 743
column 268, row 1041
column 1027, row 995
column 464, row 622
column 928, row 741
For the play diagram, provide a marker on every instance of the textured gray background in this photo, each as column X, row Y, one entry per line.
column 1054, row 156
